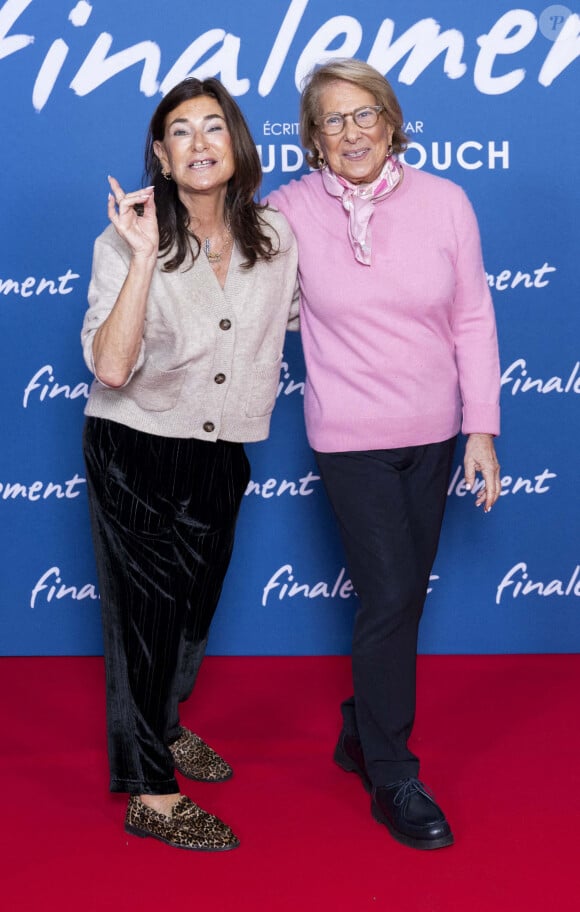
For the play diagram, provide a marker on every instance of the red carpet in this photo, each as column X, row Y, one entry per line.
column 500, row 745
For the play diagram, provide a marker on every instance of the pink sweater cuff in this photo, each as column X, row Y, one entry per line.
column 480, row 418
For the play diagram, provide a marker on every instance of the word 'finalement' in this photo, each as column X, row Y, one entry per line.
column 517, row 375
column 216, row 52
column 287, row 385
column 273, row 487
column 283, row 581
column 40, row 490
column 44, row 386
column 510, row 278
column 50, row 586
column 509, row 484
column 32, row 286
column 517, row 581
column 284, row 584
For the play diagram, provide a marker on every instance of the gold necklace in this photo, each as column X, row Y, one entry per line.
column 214, row 256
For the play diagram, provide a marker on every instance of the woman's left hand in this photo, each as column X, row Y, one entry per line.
column 480, row 457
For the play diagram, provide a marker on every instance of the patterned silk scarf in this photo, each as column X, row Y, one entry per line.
column 359, row 201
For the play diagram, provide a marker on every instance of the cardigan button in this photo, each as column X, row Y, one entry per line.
column 209, row 426
column 225, row 324
column 219, row 378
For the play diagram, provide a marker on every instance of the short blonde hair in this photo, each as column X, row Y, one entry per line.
column 359, row 73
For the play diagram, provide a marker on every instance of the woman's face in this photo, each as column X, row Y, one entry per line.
column 356, row 154
column 197, row 146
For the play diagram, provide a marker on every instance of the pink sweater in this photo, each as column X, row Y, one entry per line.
column 402, row 352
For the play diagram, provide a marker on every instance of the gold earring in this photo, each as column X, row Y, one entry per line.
column 166, row 175
column 321, row 163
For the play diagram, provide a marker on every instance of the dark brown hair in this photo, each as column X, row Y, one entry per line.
column 360, row 74
column 243, row 212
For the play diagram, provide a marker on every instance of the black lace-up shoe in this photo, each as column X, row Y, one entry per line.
column 411, row 816
column 349, row 756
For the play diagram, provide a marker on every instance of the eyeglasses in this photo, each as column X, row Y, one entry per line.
column 365, row 118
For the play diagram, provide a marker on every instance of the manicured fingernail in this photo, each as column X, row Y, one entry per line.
column 468, row 487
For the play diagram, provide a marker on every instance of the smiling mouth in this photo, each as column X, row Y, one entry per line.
column 202, row 164
column 356, row 154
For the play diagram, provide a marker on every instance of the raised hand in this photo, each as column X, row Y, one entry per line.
column 134, row 217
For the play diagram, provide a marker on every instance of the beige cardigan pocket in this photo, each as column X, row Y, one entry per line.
column 156, row 390
column 265, row 380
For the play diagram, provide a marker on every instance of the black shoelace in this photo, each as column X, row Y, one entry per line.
column 407, row 788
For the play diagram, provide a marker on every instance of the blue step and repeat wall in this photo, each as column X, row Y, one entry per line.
column 490, row 93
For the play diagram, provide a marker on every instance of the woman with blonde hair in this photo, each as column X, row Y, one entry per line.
column 401, row 354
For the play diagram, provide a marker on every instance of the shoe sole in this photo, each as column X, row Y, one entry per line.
column 200, row 778
column 347, row 764
column 144, row 834
column 409, row 841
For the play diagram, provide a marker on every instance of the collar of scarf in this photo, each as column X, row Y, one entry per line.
column 359, row 201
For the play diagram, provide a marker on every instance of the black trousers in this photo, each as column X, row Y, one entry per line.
column 389, row 505
column 163, row 513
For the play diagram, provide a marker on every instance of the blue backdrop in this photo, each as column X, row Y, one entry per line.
column 490, row 96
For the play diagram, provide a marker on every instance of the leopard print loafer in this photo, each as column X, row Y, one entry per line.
column 188, row 827
column 197, row 760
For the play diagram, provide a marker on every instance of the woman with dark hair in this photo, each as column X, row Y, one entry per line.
column 401, row 353
column 190, row 297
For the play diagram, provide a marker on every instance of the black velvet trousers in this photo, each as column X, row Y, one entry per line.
column 163, row 512
column 389, row 505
